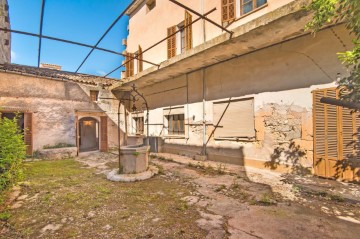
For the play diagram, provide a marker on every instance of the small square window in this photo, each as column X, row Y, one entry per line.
column 150, row 4
column 176, row 124
column 94, row 94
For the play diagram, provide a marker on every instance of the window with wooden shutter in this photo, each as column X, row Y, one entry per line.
column 94, row 94
column 171, row 42
column 234, row 119
column 28, row 133
column 129, row 66
column 103, row 134
column 140, row 59
column 335, row 137
column 175, row 118
column 188, row 30
column 228, row 10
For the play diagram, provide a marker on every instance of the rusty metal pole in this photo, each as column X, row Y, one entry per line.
column 119, row 149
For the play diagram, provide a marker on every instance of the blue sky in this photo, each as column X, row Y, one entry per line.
column 77, row 20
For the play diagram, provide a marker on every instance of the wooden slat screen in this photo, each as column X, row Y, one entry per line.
column 171, row 42
column 228, row 10
column 140, row 60
column 237, row 119
column 129, row 66
column 103, row 134
column 332, row 126
column 336, row 137
column 188, row 30
column 77, row 133
column 28, row 132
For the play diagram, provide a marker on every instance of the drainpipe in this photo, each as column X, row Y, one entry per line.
column 119, row 150
column 203, row 20
column 187, row 107
column 204, row 113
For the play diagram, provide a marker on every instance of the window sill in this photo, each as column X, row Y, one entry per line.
column 174, row 137
column 236, row 139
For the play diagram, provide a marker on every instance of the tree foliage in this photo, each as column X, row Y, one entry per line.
column 347, row 12
column 12, row 152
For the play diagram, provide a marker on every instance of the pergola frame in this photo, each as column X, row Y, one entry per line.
column 95, row 47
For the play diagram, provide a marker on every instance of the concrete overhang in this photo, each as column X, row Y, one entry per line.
column 282, row 24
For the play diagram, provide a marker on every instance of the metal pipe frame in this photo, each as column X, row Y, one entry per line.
column 102, row 37
column 203, row 17
column 342, row 103
column 40, row 30
column 70, row 42
column 136, row 57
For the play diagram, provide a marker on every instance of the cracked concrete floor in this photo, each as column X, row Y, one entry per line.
column 251, row 203
column 234, row 206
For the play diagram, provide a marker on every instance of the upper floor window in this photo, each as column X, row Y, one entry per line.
column 184, row 32
column 250, row 5
column 150, row 5
column 94, row 94
column 182, row 37
column 228, row 10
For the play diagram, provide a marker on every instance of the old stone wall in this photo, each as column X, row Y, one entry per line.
column 55, row 104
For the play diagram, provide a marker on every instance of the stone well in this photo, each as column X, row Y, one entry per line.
column 134, row 159
column 134, row 163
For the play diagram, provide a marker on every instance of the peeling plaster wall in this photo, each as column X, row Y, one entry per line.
column 279, row 78
column 53, row 103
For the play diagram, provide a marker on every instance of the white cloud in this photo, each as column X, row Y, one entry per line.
column 13, row 55
column 102, row 73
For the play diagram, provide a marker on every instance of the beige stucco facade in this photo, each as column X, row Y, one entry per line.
column 142, row 22
column 269, row 59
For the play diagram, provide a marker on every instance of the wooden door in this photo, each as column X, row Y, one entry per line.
column 89, row 136
column 103, row 134
column 28, row 133
column 335, row 138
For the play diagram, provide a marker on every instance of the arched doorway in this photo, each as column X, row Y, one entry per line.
column 88, row 134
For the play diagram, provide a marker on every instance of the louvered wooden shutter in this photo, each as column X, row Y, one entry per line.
column 131, row 72
column 140, row 60
column 129, row 66
column 228, row 10
column 171, row 42
column 326, row 134
column 103, row 134
column 77, row 134
column 336, row 137
column 234, row 119
column 28, row 133
column 188, row 30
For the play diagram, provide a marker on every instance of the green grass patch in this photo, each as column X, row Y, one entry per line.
column 67, row 192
